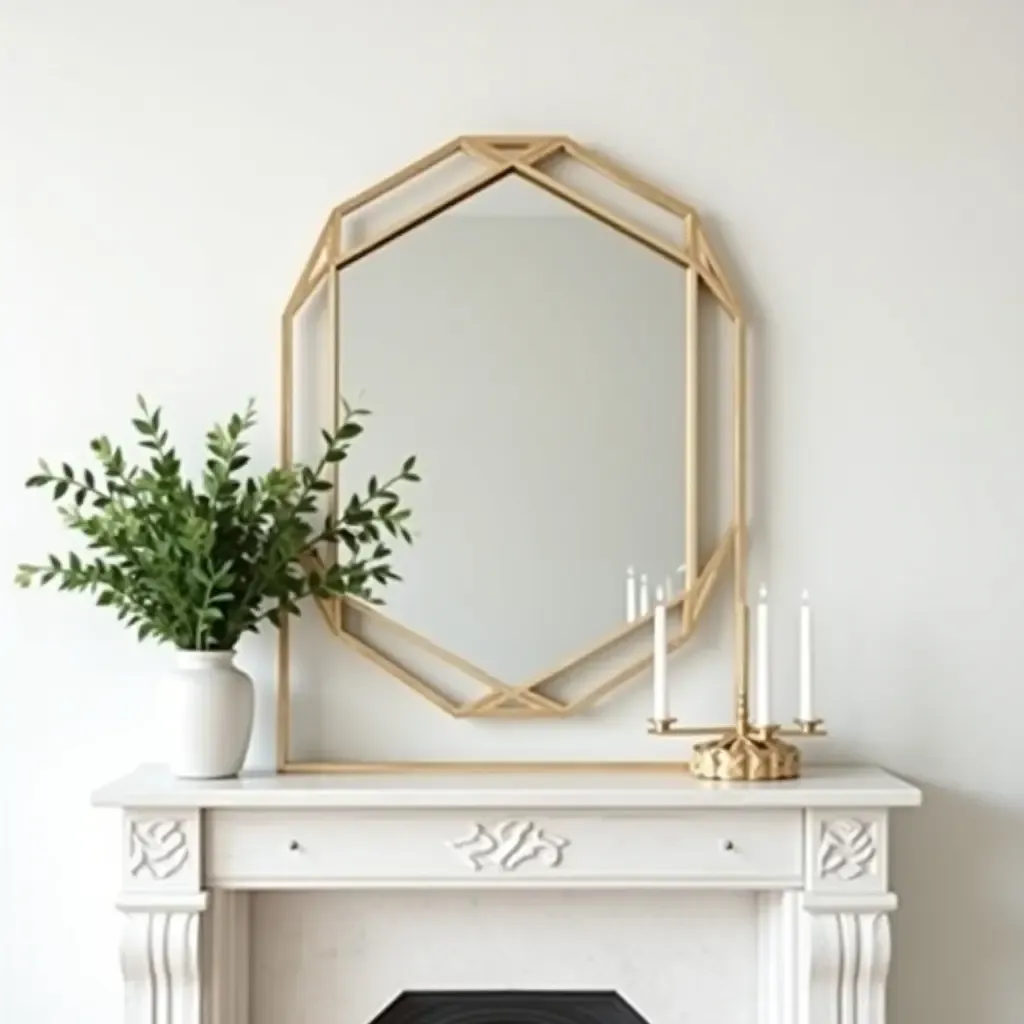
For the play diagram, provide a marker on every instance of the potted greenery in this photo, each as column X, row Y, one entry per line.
column 199, row 565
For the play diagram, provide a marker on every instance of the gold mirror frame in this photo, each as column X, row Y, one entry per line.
column 525, row 156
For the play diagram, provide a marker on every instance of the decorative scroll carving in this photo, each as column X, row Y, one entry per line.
column 848, row 964
column 848, row 849
column 508, row 845
column 158, row 849
column 160, row 967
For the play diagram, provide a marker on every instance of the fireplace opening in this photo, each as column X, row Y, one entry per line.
column 509, row 1007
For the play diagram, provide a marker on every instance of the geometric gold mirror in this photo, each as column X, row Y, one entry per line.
column 530, row 319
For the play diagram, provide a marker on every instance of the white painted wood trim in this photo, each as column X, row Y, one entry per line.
column 746, row 849
column 160, row 966
column 777, row 957
column 815, row 852
column 225, row 939
column 152, row 787
column 162, row 850
column 845, row 956
column 847, row 850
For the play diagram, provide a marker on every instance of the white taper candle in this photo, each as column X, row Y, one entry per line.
column 806, row 703
column 763, row 708
column 661, row 712
column 643, row 594
column 630, row 595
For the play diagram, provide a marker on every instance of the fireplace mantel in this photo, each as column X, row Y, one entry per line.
column 815, row 850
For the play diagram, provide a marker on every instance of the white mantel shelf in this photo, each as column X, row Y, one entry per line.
column 821, row 786
column 813, row 851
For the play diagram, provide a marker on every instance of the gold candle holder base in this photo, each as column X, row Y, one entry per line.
column 810, row 726
column 755, row 756
column 660, row 726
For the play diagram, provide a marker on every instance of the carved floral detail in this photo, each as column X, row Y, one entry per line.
column 508, row 845
column 848, row 849
column 157, row 848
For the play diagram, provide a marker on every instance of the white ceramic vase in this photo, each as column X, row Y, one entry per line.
column 212, row 703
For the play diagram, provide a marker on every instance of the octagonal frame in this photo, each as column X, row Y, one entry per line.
column 524, row 156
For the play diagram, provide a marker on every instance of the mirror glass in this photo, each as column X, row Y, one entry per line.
column 533, row 359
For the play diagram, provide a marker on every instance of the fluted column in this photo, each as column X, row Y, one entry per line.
column 160, row 960
column 162, row 902
column 843, row 931
column 847, row 952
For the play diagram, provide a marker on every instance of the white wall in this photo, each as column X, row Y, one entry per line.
column 163, row 171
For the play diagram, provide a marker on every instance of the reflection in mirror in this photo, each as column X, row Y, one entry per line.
column 533, row 359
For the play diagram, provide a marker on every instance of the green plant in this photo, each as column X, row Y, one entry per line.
column 198, row 566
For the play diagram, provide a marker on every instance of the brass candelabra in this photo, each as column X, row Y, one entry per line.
column 743, row 751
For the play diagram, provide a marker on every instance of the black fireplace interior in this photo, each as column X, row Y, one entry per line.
column 513, row 1007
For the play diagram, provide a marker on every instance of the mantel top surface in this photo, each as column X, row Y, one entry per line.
column 821, row 786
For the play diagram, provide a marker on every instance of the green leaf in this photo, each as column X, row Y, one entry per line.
column 197, row 563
